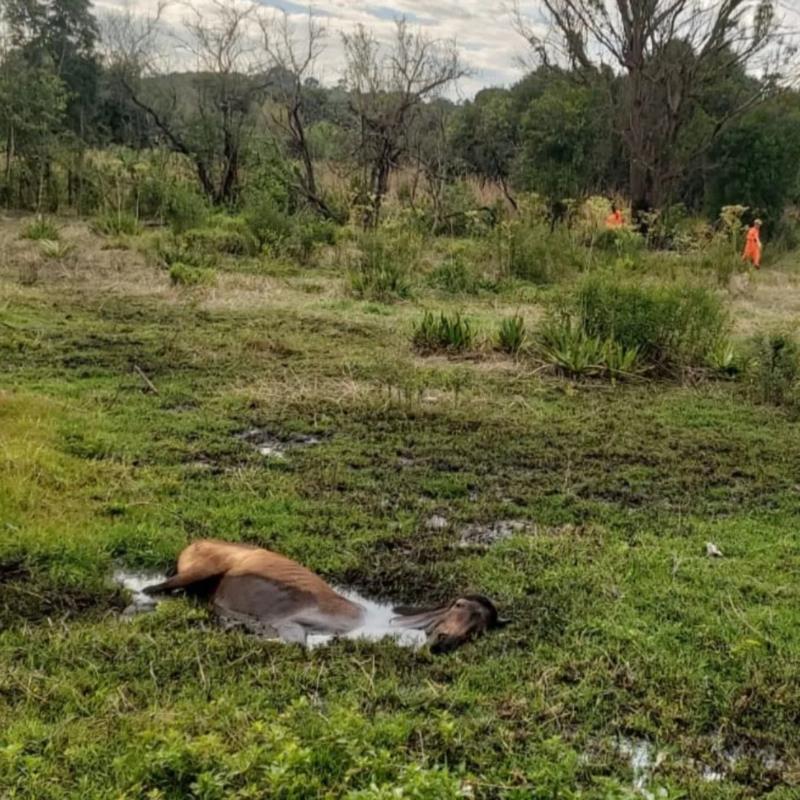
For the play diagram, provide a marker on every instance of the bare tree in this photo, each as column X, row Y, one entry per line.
column 668, row 52
column 207, row 115
column 387, row 89
column 292, row 60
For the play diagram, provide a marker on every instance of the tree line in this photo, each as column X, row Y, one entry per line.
column 657, row 101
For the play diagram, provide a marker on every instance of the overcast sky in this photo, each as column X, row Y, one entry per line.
column 481, row 28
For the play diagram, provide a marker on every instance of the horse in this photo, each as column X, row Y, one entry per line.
column 275, row 596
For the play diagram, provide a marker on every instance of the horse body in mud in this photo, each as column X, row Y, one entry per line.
column 272, row 595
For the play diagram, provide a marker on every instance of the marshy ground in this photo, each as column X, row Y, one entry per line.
column 635, row 664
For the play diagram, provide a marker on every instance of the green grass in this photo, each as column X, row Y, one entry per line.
column 621, row 624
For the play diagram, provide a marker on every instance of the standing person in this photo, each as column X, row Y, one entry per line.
column 752, row 247
column 614, row 219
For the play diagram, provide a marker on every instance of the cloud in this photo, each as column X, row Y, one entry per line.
column 482, row 30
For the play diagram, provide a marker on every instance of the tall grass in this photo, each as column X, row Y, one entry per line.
column 442, row 332
column 669, row 325
column 382, row 268
column 774, row 370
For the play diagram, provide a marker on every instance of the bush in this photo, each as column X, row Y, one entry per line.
column 451, row 334
column 267, row 222
column 170, row 250
column 231, row 237
column 185, row 275
column 537, row 254
column 382, row 268
column 116, row 223
column 184, row 208
column 669, row 326
column 41, row 229
column 774, row 371
column 454, row 276
column 512, row 334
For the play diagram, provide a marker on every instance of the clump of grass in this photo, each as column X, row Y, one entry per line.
column 774, row 370
column 443, row 333
column 116, row 223
column 55, row 250
column 512, row 334
column 185, row 275
column 41, row 229
column 381, row 269
column 231, row 239
column 565, row 345
column 453, row 276
column 170, row 250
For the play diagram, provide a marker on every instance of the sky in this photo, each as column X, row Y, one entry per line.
column 482, row 30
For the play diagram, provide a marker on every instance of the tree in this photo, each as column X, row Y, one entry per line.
column 756, row 162
column 564, row 143
column 666, row 52
column 206, row 115
column 387, row 89
column 295, row 92
column 60, row 35
column 484, row 136
column 34, row 101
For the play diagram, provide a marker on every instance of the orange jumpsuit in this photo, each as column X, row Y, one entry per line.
column 752, row 247
column 614, row 220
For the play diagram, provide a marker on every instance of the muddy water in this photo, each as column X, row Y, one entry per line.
column 272, row 446
column 135, row 582
column 377, row 621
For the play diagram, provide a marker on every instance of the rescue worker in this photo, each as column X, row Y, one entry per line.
column 752, row 246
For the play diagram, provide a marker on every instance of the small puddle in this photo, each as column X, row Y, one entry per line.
column 478, row 535
column 377, row 621
column 271, row 446
column 135, row 583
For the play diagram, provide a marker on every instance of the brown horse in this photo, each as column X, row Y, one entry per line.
column 271, row 594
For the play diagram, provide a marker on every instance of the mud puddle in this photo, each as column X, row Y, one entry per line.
column 644, row 760
column 377, row 620
column 271, row 446
column 478, row 535
column 135, row 583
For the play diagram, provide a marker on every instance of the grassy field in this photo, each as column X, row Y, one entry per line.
column 635, row 665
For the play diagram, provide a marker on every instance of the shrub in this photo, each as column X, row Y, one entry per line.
column 116, row 223
column 381, row 269
column 512, row 334
column 453, row 276
column 774, row 371
column 170, row 250
column 267, row 222
column 184, row 208
column 306, row 234
column 448, row 333
column 669, row 326
column 185, row 275
column 537, row 254
column 231, row 236
column 41, row 228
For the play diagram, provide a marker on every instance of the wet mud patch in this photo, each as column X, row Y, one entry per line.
column 26, row 599
column 648, row 763
column 485, row 535
column 271, row 445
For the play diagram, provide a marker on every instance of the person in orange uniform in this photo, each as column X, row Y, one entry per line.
column 752, row 247
column 614, row 219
